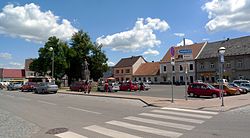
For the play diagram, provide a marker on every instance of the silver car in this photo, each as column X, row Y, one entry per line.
column 46, row 87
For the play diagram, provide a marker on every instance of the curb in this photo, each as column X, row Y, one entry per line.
column 130, row 98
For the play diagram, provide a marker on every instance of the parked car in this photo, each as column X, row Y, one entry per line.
column 222, row 80
column 14, row 86
column 227, row 89
column 129, row 86
column 246, row 85
column 242, row 89
column 77, row 86
column 114, row 87
column 29, row 86
column 46, row 87
column 238, row 82
column 203, row 89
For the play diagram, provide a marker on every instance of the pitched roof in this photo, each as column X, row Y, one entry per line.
column 146, row 69
column 13, row 73
column 127, row 62
column 237, row 46
column 196, row 48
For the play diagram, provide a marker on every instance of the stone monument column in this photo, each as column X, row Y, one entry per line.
column 85, row 70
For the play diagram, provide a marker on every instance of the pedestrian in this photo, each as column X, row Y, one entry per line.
column 106, row 86
column 141, row 86
column 86, row 86
column 89, row 87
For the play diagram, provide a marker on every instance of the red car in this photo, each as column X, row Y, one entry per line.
column 129, row 86
column 29, row 86
column 203, row 89
column 80, row 86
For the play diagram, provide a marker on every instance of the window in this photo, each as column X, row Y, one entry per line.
column 164, row 68
column 181, row 68
column 144, row 79
column 212, row 65
column 149, row 78
column 191, row 67
column 164, row 79
column 139, row 79
column 122, row 70
column 155, row 79
column 240, row 63
column 172, row 68
column 117, row 71
column 127, row 70
column 181, row 78
column 228, row 65
column 202, row 66
column 135, row 79
column 191, row 79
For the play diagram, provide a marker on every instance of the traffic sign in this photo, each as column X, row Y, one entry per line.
column 172, row 51
column 185, row 51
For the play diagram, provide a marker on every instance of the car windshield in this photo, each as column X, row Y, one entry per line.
column 210, row 86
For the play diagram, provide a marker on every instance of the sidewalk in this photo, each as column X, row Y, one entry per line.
column 230, row 102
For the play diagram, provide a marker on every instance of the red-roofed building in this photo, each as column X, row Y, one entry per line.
column 149, row 71
column 12, row 74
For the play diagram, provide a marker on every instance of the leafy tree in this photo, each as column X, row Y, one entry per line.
column 44, row 62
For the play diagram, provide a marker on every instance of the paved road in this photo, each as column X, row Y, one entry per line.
column 164, row 91
column 88, row 116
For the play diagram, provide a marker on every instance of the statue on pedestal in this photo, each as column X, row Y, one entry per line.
column 85, row 70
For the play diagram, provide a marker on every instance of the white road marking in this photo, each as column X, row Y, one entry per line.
column 188, row 110
column 70, row 134
column 23, row 98
column 79, row 109
column 110, row 132
column 182, row 114
column 161, row 123
column 173, row 118
column 46, row 102
column 146, row 129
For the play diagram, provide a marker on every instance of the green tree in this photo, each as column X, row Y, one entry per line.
column 43, row 64
column 84, row 49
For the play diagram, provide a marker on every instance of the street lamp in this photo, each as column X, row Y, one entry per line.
column 221, row 52
column 52, row 50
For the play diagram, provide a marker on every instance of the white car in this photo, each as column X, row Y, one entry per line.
column 114, row 87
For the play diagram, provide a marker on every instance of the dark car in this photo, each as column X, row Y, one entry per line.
column 128, row 86
column 80, row 86
column 46, row 87
column 203, row 89
column 29, row 86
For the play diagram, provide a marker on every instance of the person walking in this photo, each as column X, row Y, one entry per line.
column 86, row 86
column 106, row 86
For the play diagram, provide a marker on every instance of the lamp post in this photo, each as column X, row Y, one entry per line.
column 221, row 52
column 53, row 55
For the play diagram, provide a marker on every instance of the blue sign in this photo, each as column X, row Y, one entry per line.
column 185, row 51
column 172, row 51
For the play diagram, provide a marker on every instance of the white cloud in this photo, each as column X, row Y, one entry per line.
column 151, row 52
column 179, row 34
column 228, row 14
column 16, row 65
column 205, row 39
column 111, row 63
column 5, row 55
column 187, row 42
column 141, row 36
column 30, row 23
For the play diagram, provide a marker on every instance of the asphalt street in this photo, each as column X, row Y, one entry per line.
column 25, row 114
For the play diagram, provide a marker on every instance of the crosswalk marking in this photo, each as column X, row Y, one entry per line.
column 110, row 132
column 156, row 122
column 69, row 135
column 188, row 110
column 173, row 118
column 146, row 129
column 182, row 114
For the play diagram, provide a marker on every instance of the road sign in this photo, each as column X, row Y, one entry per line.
column 172, row 51
column 185, row 51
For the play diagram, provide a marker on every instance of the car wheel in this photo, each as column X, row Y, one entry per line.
column 191, row 94
column 214, row 95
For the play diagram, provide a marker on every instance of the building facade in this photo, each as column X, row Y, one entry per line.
column 126, row 67
column 236, row 65
column 12, row 75
column 184, row 64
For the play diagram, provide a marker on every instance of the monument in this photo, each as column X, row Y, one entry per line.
column 85, row 70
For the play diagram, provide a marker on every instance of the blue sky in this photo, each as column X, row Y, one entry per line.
column 125, row 28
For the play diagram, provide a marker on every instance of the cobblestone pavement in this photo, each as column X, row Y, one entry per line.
column 15, row 127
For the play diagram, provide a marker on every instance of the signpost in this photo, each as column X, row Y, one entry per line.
column 172, row 52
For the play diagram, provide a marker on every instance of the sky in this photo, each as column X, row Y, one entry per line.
column 125, row 28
